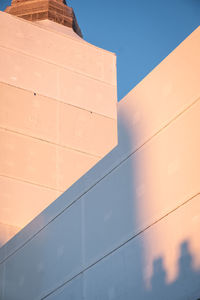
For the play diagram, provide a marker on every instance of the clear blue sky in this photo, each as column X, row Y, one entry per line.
column 141, row 32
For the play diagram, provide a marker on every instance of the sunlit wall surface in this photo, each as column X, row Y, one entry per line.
column 129, row 228
column 57, row 115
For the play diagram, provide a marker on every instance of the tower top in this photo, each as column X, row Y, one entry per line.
column 36, row 10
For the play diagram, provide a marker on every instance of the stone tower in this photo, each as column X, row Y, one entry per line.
column 54, row 10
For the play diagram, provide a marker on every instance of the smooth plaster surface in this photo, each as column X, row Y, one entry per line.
column 56, row 122
column 134, row 217
column 58, row 113
column 75, row 67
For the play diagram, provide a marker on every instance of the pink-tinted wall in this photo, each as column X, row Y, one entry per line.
column 57, row 114
column 129, row 228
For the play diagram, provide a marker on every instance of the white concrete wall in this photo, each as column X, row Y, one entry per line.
column 57, row 114
column 38, row 58
column 129, row 228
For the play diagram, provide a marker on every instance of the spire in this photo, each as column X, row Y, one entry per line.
column 36, row 10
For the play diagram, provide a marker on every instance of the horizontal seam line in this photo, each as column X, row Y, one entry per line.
column 64, row 35
column 121, row 245
column 57, row 65
column 35, row 234
column 48, row 142
column 33, row 183
column 59, row 100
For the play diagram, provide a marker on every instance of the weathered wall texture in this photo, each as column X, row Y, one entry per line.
column 129, row 228
column 57, row 114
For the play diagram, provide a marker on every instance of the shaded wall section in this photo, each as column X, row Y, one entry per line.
column 129, row 228
column 57, row 114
